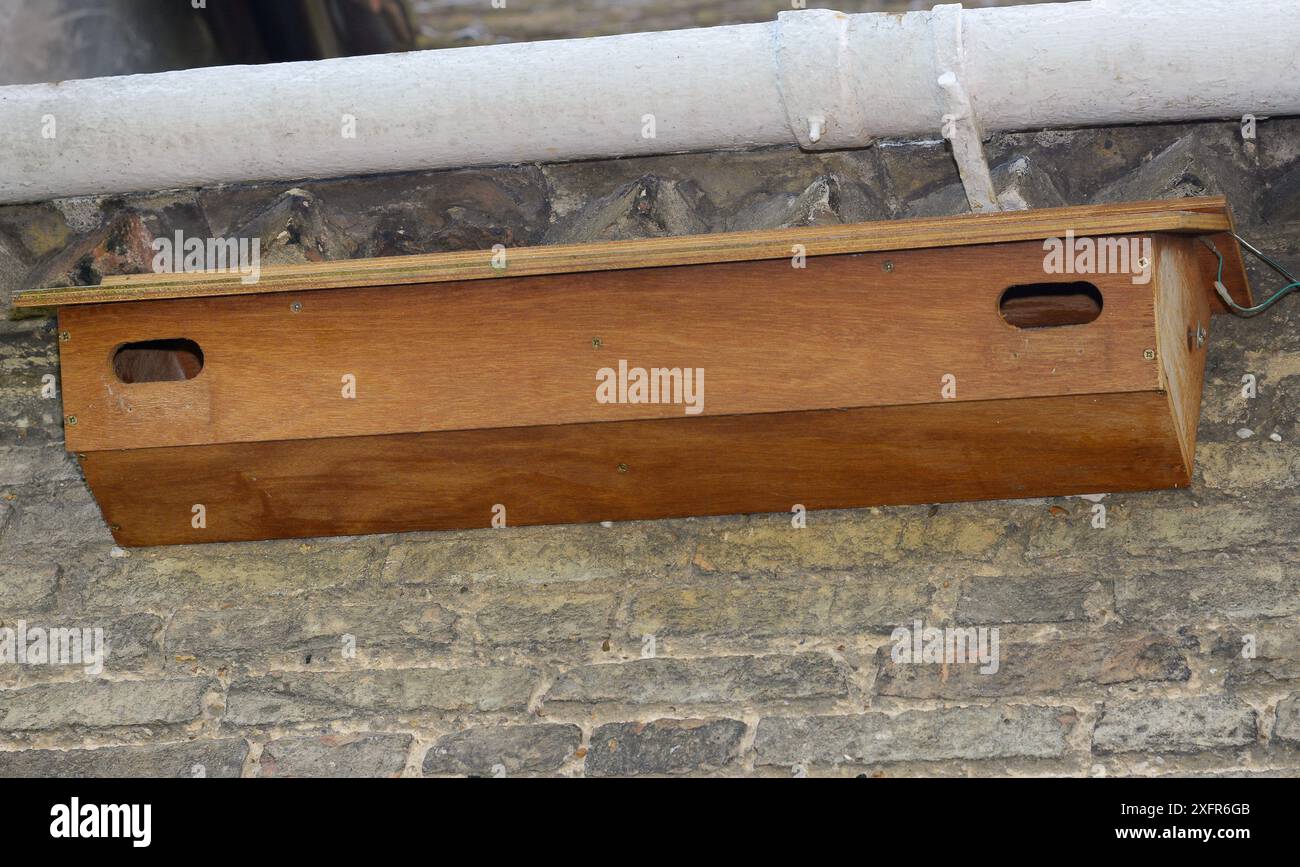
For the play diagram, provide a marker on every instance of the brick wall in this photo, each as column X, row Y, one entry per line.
column 520, row 651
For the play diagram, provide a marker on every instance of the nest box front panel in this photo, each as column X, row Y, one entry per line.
column 913, row 327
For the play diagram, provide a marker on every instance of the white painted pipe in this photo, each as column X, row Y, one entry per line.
column 817, row 78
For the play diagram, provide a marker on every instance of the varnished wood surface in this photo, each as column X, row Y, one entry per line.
column 1182, row 310
column 1198, row 216
column 641, row 469
column 846, row 331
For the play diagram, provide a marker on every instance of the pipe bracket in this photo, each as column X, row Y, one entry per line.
column 815, row 74
column 960, row 122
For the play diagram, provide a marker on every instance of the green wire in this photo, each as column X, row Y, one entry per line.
column 1223, row 292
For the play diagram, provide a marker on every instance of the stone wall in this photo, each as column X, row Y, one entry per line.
column 454, row 23
column 522, row 651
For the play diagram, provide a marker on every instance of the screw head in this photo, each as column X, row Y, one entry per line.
column 70, row 420
column 596, row 343
column 622, row 468
column 296, row 307
column 887, row 266
column 65, row 336
column 1149, row 354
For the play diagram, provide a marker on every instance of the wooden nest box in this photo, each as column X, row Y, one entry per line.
column 915, row 361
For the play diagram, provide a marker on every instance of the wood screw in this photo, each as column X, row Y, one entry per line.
column 1149, row 354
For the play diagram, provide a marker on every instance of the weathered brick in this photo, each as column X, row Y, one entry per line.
column 1182, row 725
column 878, row 602
column 1257, row 463
column 815, row 205
column 710, row 680
column 764, row 607
column 664, row 746
column 1284, row 204
column 1034, row 599
column 27, row 417
column 13, row 266
column 129, row 642
column 353, row 755
column 768, row 544
column 310, row 632
column 1168, row 524
column 299, row 697
column 219, row 758
column 1189, row 167
column 28, row 585
column 546, row 617
column 921, row 735
column 132, row 640
column 37, row 462
column 1037, row 668
column 422, row 212
column 235, row 574
column 648, row 207
column 1212, row 526
column 1252, row 590
column 1286, row 726
column 1110, row 153
column 539, row 555
column 485, row 751
column 102, row 704
column 1019, row 184
column 48, row 520
column 914, row 172
column 720, row 189
column 860, row 185
column 955, row 531
column 1275, row 649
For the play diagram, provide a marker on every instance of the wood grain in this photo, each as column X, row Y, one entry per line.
column 1182, row 310
column 846, row 331
column 1206, row 215
column 640, row 469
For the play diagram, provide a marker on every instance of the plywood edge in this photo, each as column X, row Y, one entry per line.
column 1195, row 216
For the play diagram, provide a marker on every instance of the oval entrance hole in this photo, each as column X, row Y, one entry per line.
column 1050, row 305
column 171, row 360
